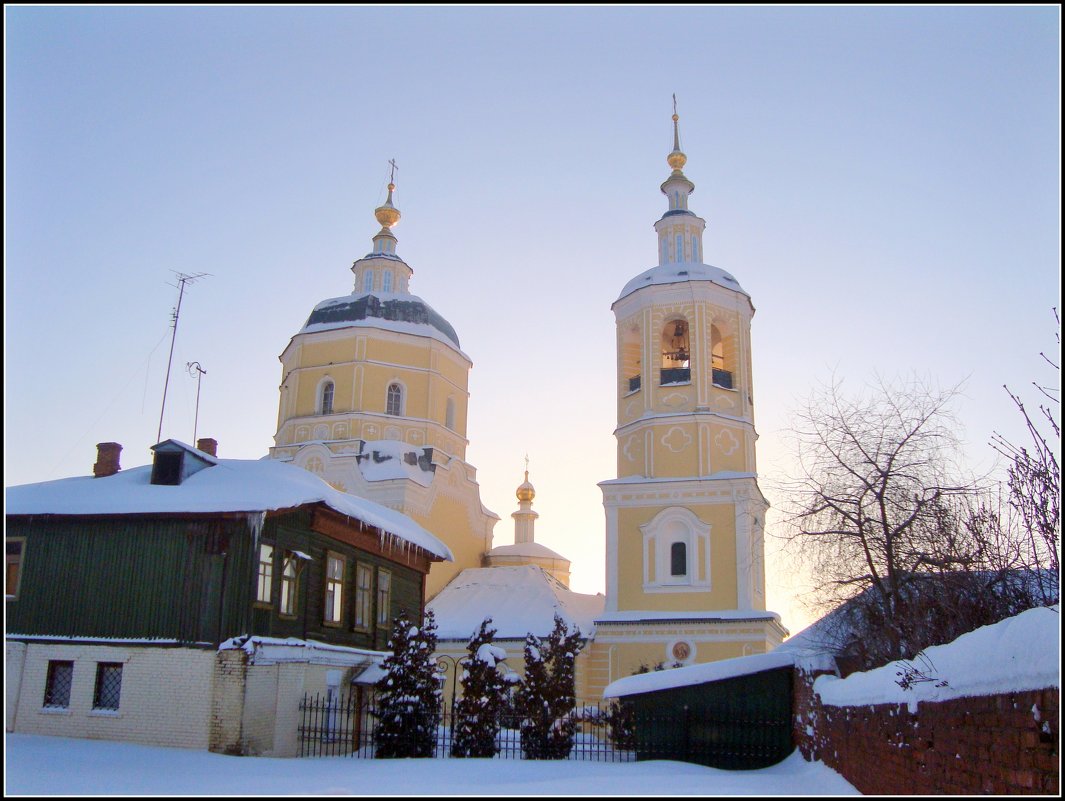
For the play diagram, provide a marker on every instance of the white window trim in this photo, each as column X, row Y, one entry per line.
column 659, row 535
column 402, row 398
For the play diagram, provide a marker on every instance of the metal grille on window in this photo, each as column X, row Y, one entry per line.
column 57, row 685
column 108, row 685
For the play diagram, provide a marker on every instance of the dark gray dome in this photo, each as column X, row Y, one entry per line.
column 366, row 308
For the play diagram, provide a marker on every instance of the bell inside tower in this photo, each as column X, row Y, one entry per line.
column 675, row 353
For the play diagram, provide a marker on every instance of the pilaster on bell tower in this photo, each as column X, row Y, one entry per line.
column 685, row 516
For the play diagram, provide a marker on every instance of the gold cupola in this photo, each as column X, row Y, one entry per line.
column 526, row 492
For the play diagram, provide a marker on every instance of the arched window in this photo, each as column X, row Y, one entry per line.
column 394, row 401
column 367, row 281
column 675, row 353
column 722, row 376
column 678, row 559
column 631, row 361
column 695, row 248
column 664, row 256
column 449, row 414
column 386, row 281
column 680, row 247
column 325, row 406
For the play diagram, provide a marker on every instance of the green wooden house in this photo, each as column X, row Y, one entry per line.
column 195, row 600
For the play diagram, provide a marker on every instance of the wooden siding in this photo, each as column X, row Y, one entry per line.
column 131, row 577
column 292, row 532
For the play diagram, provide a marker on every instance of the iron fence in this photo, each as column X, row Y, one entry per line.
column 345, row 724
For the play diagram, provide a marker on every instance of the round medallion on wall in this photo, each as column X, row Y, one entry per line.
column 681, row 651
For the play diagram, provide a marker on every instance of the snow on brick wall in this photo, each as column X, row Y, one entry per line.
column 993, row 744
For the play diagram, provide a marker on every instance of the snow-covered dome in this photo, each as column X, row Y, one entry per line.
column 675, row 273
column 404, row 313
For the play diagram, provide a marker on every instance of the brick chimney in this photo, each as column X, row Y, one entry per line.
column 106, row 459
column 207, row 445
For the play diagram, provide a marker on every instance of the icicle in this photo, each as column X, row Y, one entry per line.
column 256, row 521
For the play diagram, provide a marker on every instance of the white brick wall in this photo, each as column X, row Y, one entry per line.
column 15, row 658
column 165, row 698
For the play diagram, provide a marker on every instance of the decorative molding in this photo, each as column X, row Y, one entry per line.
column 677, row 439
column 726, row 442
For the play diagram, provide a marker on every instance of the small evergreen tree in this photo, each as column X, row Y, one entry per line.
column 409, row 693
column 547, row 697
column 478, row 712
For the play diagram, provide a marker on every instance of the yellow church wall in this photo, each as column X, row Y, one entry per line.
column 414, row 354
column 449, row 519
column 328, row 352
column 723, row 591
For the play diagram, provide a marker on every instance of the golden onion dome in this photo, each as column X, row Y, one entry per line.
column 387, row 214
column 525, row 491
column 676, row 159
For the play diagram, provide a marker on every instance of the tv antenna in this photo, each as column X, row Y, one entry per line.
column 194, row 368
column 183, row 280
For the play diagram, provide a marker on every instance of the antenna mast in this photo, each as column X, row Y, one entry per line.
column 182, row 281
column 200, row 373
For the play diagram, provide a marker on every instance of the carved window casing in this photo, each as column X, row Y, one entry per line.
column 676, row 551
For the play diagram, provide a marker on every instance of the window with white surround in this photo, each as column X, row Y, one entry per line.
column 384, row 596
column 367, row 281
column 449, row 414
column 394, row 400
column 680, row 247
column 325, row 402
column 695, row 247
column 386, row 281
column 676, row 551
column 363, row 596
column 266, row 574
column 290, row 579
column 334, row 588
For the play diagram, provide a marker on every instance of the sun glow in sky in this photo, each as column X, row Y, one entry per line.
column 883, row 181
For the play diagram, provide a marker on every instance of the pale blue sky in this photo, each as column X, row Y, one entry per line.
column 884, row 182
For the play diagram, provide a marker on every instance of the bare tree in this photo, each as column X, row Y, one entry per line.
column 1034, row 480
column 880, row 505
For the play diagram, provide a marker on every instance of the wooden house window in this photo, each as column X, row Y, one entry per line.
column 334, row 588
column 384, row 596
column 57, row 684
column 290, row 580
column 266, row 574
column 14, row 548
column 363, row 596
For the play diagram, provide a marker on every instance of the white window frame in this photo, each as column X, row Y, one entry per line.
column 676, row 525
column 386, row 280
column 402, row 392
column 327, row 383
column 264, row 583
column 333, row 605
column 367, row 281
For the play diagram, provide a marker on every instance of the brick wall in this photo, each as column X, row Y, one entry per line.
column 165, row 695
column 996, row 744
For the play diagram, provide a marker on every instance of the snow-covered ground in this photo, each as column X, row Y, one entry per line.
column 38, row 765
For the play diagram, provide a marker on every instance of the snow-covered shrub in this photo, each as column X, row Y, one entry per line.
column 478, row 711
column 546, row 698
column 408, row 695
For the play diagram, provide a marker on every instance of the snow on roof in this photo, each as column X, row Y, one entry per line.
column 696, row 674
column 519, row 600
column 1016, row 654
column 721, row 614
column 390, row 459
column 271, row 650
column 533, row 549
column 231, row 485
column 675, row 273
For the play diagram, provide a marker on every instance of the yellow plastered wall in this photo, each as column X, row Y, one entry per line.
column 448, row 518
column 723, row 591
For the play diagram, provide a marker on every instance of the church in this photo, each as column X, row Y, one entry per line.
column 374, row 399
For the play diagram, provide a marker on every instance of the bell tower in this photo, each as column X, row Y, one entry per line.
column 685, row 518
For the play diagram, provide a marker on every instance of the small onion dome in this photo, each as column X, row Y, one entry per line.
column 676, row 159
column 388, row 215
column 526, row 491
